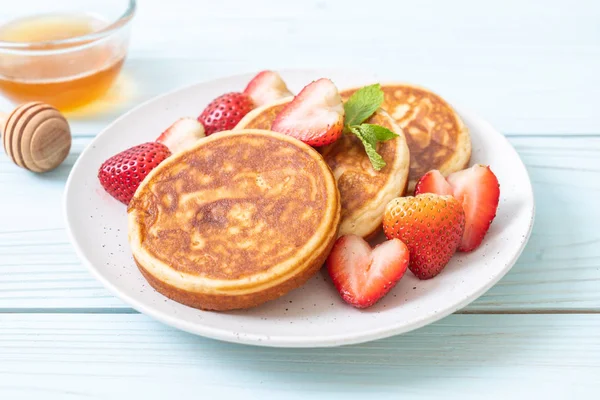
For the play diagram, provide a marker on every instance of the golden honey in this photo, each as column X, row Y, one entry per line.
column 64, row 75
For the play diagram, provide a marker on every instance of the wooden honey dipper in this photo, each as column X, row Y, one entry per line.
column 36, row 136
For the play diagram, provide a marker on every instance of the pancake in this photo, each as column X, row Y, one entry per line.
column 364, row 191
column 239, row 219
column 436, row 135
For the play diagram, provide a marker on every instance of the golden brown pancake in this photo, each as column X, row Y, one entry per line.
column 364, row 191
column 241, row 218
column 436, row 135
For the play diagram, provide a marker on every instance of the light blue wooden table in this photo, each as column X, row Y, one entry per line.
column 532, row 68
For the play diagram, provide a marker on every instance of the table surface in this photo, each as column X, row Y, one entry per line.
column 529, row 67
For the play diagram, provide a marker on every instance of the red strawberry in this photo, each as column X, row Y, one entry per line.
column 224, row 112
column 266, row 87
column 182, row 134
column 433, row 182
column 121, row 174
column 363, row 275
column 430, row 225
column 478, row 190
column 315, row 116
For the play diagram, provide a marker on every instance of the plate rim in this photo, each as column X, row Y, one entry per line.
column 287, row 341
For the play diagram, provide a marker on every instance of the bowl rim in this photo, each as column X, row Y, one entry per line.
column 73, row 42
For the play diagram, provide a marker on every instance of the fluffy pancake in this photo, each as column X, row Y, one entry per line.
column 241, row 218
column 364, row 191
column 436, row 135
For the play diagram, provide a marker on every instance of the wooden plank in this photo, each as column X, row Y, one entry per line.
column 54, row 356
column 559, row 270
column 529, row 67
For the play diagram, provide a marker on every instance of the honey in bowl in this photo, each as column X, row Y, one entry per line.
column 64, row 75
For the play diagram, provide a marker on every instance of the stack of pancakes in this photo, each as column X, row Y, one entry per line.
column 364, row 192
column 247, row 215
column 436, row 135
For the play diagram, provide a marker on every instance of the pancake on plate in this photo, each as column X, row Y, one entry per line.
column 364, row 191
column 436, row 135
column 239, row 219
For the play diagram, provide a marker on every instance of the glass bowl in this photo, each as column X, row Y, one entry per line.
column 62, row 52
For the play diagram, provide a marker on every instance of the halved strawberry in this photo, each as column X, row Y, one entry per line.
column 430, row 225
column 121, row 174
column 224, row 112
column 363, row 275
column 182, row 134
column 478, row 190
column 266, row 87
column 315, row 116
column 433, row 182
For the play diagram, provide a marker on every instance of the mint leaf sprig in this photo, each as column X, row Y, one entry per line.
column 359, row 107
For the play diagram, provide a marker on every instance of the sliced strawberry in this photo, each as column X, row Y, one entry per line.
column 433, row 182
column 182, row 134
column 363, row 275
column 224, row 112
column 121, row 174
column 478, row 190
column 315, row 116
column 266, row 87
column 430, row 225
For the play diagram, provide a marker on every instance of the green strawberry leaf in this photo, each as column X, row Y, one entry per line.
column 362, row 104
column 370, row 146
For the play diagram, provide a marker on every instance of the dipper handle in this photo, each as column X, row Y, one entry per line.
column 3, row 119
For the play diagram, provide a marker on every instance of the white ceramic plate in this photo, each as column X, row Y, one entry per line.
column 313, row 315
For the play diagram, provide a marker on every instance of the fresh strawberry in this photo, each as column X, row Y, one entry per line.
column 182, row 134
column 121, row 174
column 315, row 116
column 224, row 112
column 266, row 87
column 363, row 275
column 430, row 225
column 478, row 190
column 433, row 182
